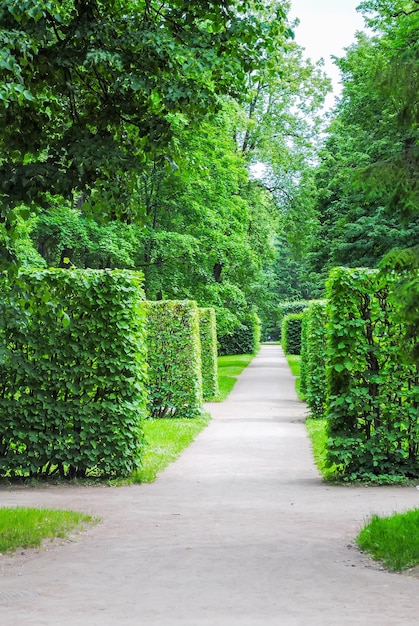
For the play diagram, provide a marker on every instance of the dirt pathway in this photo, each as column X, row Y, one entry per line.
column 240, row 530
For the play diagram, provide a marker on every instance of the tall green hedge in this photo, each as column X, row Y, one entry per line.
column 289, row 307
column 174, row 359
column 245, row 339
column 291, row 333
column 72, row 373
column 314, row 357
column 208, row 336
column 374, row 389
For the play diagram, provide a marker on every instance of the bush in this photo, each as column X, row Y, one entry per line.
column 208, row 335
column 288, row 308
column 72, row 373
column 374, row 389
column 314, row 357
column 245, row 339
column 174, row 359
column 291, row 333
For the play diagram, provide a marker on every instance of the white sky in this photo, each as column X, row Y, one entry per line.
column 326, row 28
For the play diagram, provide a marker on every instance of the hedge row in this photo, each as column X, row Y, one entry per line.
column 208, row 335
column 313, row 382
column 355, row 349
column 289, row 308
column 291, row 333
column 72, row 373
column 174, row 359
column 374, row 389
column 81, row 366
column 243, row 340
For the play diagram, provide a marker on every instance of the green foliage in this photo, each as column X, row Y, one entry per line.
column 314, row 357
column 374, row 388
column 27, row 528
column 392, row 540
column 90, row 91
column 291, row 333
column 174, row 359
column 72, row 373
column 165, row 439
column 286, row 307
column 244, row 339
column 208, row 336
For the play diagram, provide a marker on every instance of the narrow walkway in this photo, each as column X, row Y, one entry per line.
column 239, row 531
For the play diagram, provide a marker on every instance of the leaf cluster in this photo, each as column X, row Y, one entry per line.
column 374, row 389
column 174, row 359
column 73, row 373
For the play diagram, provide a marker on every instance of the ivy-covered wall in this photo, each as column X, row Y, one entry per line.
column 374, row 387
column 72, row 373
column 174, row 359
column 208, row 336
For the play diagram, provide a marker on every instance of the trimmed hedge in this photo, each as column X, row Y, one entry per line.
column 288, row 308
column 374, row 389
column 291, row 333
column 243, row 340
column 72, row 373
column 174, row 359
column 314, row 357
column 208, row 336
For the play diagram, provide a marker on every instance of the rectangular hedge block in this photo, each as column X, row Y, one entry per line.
column 374, row 388
column 208, row 336
column 174, row 359
column 72, row 373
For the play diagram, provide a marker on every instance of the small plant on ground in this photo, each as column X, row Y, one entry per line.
column 27, row 528
column 392, row 540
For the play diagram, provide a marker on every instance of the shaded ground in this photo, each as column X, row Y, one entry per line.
column 240, row 530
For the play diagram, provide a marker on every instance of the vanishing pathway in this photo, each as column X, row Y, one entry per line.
column 239, row 531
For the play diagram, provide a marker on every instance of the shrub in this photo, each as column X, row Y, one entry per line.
column 174, row 359
column 208, row 335
column 314, row 357
column 287, row 308
column 245, row 339
column 374, row 389
column 72, row 373
column 291, row 333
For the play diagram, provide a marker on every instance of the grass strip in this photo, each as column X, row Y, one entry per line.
column 317, row 431
column 294, row 365
column 22, row 527
column 229, row 368
column 165, row 439
column 392, row 540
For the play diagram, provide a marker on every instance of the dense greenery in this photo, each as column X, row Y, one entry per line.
column 373, row 407
column 208, row 338
column 291, row 333
column 314, row 357
column 174, row 359
column 72, row 373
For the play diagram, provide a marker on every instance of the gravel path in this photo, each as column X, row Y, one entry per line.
column 239, row 531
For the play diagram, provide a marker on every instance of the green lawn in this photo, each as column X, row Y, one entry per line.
column 27, row 528
column 229, row 367
column 392, row 540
